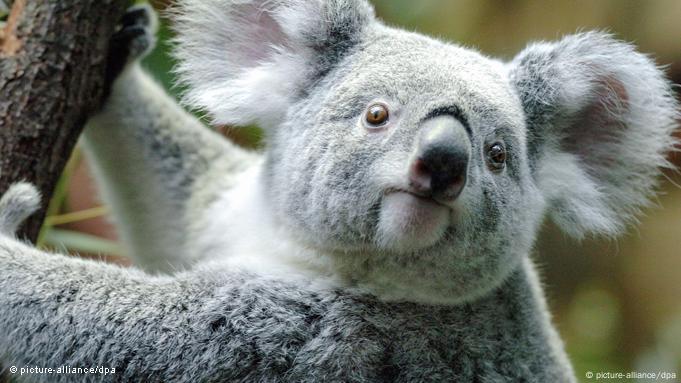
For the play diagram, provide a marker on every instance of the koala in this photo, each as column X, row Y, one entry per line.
column 384, row 232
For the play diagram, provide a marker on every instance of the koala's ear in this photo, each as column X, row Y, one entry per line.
column 246, row 61
column 600, row 118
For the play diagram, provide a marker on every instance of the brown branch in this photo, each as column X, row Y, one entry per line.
column 52, row 66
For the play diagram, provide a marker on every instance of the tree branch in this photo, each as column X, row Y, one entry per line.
column 52, row 66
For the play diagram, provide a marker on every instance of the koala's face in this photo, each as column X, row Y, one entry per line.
column 419, row 163
column 414, row 151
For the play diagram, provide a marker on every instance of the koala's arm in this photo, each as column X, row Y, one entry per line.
column 149, row 157
column 57, row 310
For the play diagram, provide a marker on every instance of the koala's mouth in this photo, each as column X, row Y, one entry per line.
column 425, row 197
column 410, row 221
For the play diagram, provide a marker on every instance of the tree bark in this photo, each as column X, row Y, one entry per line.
column 53, row 56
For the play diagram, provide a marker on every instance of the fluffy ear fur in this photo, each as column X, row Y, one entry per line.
column 599, row 118
column 245, row 61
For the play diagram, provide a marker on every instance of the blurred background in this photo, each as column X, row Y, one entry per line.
column 616, row 303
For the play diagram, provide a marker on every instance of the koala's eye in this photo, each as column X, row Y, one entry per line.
column 377, row 115
column 496, row 156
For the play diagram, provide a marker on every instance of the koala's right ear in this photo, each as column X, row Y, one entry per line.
column 600, row 118
column 246, row 61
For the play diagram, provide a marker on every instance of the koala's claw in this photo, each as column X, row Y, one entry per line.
column 132, row 41
column 141, row 15
column 19, row 201
column 136, row 36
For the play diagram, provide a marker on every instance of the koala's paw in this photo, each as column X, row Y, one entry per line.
column 137, row 34
column 19, row 201
column 135, row 37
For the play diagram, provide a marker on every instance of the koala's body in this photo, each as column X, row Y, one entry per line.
column 383, row 235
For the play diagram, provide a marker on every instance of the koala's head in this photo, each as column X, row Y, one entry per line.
column 415, row 159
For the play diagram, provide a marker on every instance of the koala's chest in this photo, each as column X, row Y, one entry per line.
column 403, row 347
column 351, row 340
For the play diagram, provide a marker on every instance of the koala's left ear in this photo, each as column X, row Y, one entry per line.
column 600, row 118
column 246, row 61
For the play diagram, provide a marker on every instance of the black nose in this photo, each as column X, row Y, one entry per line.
column 441, row 163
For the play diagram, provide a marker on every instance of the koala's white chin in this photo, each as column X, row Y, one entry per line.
column 408, row 222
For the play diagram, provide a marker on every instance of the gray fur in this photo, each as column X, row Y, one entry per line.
column 148, row 172
column 300, row 263
column 19, row 201
column 606, row 113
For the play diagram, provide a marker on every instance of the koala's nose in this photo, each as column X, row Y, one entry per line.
column 441, row 163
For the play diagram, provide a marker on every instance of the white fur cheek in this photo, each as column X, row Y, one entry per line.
column 407, row 222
